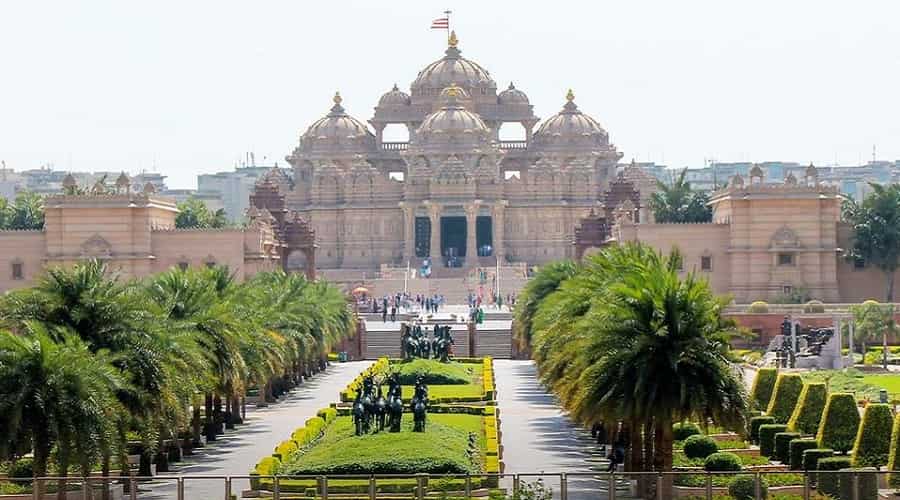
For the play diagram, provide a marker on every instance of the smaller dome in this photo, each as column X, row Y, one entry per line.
column 394, row 97
column 337, row 131
column 571, row 128
column 512, row 95
column 453, row 122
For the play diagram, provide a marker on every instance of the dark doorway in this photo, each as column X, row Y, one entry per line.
column 484, row 236
column 423, row 237
column 453, row 236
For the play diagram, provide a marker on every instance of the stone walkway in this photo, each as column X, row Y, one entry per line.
column 537, row 436
column 238, row 451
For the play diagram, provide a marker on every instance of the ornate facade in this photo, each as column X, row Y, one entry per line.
column 454, row 190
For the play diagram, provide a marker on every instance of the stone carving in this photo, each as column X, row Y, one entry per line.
column 96, row 246
column 785, row 237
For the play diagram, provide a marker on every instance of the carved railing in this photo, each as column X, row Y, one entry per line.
column 513, row 144
column 394, row 146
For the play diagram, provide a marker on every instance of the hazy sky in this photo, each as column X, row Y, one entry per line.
column 189, row 85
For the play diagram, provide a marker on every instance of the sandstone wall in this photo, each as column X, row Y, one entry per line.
column 21, row 247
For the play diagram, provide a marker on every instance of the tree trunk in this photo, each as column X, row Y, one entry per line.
column 104, row 471
column 890, row 286
column 162, row 455
column 41, row 455
column 210, row 420
column 229, row 413
column 662, row 455
column 145, row 468
column 884, row 351
column 218, row 419
column 243, row 408
column 62, row 458
column 644, row 482
column 196, row 433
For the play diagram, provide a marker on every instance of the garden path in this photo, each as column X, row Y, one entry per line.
column 237, row 452
column 537, row 435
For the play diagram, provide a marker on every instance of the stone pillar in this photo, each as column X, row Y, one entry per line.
column 498, row 232
column 379, row 134
column 409, row 231
column 471, row 248
column 434, row 213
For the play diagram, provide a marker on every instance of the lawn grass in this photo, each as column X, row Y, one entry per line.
column 864, row 386
column 437, row 373
column 443, row 448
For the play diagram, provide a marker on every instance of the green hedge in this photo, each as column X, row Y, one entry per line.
column 784, row 397
column 811, row 457
column 783, row 446
column 327, row 414
column 828, row 481
column 871, row 448
column 433, row 371
column 767, row 438
column 798, row 447
column 763, row 385
column 839, row 424
column 684, row 430
column 699, row 446
column 868, row 484
column 755, row 424
column 894, row 454
column 722, row 461
column 808, row 412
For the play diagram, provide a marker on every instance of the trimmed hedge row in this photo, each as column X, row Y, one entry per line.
column 871, row 448
column 828, row 482
column 811, row 457
column 783, row 446
column 767, row 438
column 894, row 454
column 755, row 424
column 302, row 437
column 797, row 449
column 488, row 379
column 784, row 397
column 763, row 385
column 840, row 423
column 376, row 368
column 808, row 412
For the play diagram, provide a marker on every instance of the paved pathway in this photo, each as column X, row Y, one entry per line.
column 238, row 451
column 537, row 436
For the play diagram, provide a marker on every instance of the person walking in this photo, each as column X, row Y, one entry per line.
column 394, row 313
column 616, row 457
column 384, row 313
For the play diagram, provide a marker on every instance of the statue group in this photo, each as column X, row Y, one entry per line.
column 416, row 343
column 372, row 411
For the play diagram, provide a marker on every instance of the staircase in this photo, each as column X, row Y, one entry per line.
column 494, row 339
column 382, row 339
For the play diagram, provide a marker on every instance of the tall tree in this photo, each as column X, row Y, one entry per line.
column 546, row 281
column 193, row 213
column 871, row 321
column 876, row 231
column 26, row 212
column 677, row 202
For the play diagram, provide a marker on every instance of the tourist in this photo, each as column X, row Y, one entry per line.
column 598, row 431
column 616, row 457
column 394, row 313
column 384, row 313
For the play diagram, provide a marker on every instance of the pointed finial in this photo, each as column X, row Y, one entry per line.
column 511, row 86
column 337, row 98
column 396, row 88
column 452, row 41
column 570, row 96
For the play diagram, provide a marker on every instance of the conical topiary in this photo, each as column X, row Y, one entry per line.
column 871, row 448
column 808, row 412
column 784, row 397
column 840, row 422
column 763, row 385
column 894, row 454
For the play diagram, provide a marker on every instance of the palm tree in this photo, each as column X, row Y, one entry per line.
column 26, row 212
column 627, row 340
column 676, row 202
column 545, row 281
column 56, row 392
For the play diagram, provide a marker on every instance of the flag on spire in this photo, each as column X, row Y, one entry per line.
column 440, row 23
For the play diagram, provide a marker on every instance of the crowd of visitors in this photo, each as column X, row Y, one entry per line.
column 391, row 305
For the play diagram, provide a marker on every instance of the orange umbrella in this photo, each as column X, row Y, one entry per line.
column 360, row 290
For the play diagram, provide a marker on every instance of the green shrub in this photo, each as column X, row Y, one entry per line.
column 808, row 412
column 755, row 424
column 434, row 372
column 699, row 446
column 871, row 448
column 868, row 484
column 684, row 430
column 21, row 468
column 767, row 438
column 783, row 446
column 758, row 307
column 744, row 488
column 839, row 424
column 894, row 454
column 784, row 397
column 763, row 385
column 811, row 457
column 828, row 481
column 722, row 461
column 266, row 467
column 797, row 448
column 327, row 414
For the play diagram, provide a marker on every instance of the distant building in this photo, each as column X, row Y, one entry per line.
column 232, row 188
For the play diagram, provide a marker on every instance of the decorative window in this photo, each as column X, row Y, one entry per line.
column 787, row 290
column 706, row 263
column 18, row 271
column 785, row 259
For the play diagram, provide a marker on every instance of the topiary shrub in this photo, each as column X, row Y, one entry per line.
column 814, row 307
column 722, row 461
column 755, row 424
column 797, row 448
column 699, row 446
column 784, row 397
column 868, row 484
column 828, row 480
column 767, row 438
column 744, row 488
column 840, row 422
column 811, row 457
column 808, row 412
column 763, row 385
column 758, row 307
column 783, row 446
column 894, row 454
column 871, row 448
column 684, row 430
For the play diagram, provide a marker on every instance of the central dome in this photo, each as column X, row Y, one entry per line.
column 451, row 69
column 453, row 122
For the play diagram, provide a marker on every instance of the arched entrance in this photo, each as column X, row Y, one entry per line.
column 453, row 240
